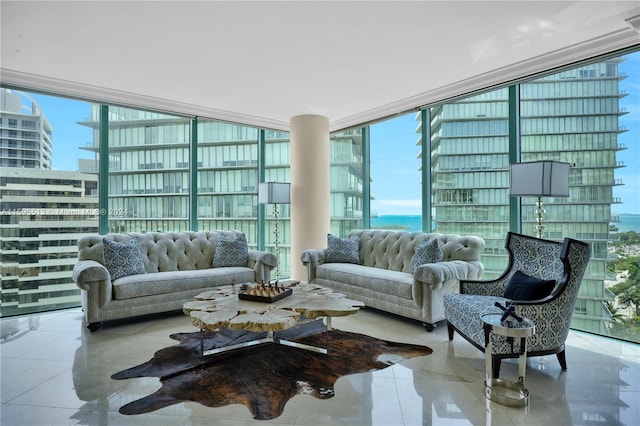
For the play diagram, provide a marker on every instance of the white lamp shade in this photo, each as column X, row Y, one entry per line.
column 539, row 179
column 274, row 193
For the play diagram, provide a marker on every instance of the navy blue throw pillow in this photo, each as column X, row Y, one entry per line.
column 524, row 287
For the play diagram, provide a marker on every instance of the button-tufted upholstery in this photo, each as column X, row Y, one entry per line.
column 178, row 266
column 384, row 280
column 394, row 250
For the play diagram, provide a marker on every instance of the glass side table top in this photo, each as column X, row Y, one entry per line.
column 509, row 327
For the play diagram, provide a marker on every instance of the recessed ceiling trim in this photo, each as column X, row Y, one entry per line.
column 608, row 43
column 93, row 93
column 618, row 40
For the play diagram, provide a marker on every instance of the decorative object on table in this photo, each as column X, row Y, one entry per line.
column 539, row 179
column 509, row 311
column 267, row 293
column 275, row 193
column 264, row 378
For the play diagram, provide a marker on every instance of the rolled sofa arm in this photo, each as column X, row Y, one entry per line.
column 311, row 258
column 86, row 272
column 94, row 278
column 262, row 263
column 436, row 274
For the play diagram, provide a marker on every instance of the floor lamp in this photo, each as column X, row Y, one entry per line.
column 539, row 179
column 275, row 193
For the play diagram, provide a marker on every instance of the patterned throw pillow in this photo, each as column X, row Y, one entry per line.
column 122, row 259
column 231, row 252
column 342, row 250
column 427, row 252
column 524, row 287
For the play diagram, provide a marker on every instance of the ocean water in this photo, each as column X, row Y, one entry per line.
column 398, row 223
column 628, row 222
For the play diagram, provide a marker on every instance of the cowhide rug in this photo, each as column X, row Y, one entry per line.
column 262, row 377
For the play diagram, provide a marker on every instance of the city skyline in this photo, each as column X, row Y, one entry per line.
column 395, row 166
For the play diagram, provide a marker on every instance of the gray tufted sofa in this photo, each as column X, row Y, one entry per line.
column 177, row 266
column 383, row 278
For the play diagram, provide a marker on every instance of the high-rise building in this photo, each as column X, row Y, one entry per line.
column 571, row 116
column 346, row 159
column 25, row 133
column 43, row 212
column 42, row 215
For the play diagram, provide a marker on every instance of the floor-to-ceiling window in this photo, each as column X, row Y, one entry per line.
column 227, row 176
column 148, row 171
column 470, row 172
column 587, row 115
column 48, row 198
column 346, row 181
column 573, row 116
column 396, row 181
column 276, row 169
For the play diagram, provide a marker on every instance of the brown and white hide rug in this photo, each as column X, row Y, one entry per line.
column 262, row 377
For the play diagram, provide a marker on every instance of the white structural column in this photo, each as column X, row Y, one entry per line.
column 310, row 187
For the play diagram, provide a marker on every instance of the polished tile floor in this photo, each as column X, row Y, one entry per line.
column 54, row 372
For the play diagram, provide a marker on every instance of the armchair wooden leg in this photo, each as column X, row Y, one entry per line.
column 562, row 359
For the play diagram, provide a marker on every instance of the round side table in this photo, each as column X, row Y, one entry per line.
column 513, row 394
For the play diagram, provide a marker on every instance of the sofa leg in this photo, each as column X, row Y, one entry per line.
column 94, row 326
column 429, row 326
column 450, row 330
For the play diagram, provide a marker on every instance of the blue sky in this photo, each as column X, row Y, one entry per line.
column 395, row 167
column 68, row 137
column 394, row 163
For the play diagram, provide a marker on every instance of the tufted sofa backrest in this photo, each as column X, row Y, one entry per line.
column 394, row 249
column 163, row 251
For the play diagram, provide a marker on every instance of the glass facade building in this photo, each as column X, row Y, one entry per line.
column 571, row 116
column 43, row 212
column 25, row 133
column 42, row 215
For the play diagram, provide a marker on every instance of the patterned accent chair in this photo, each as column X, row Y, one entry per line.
column 565, row 262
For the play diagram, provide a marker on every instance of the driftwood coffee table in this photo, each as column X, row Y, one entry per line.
column 222, row 308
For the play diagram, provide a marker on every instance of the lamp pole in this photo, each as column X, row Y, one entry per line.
column 276, row 240
column 539, row 215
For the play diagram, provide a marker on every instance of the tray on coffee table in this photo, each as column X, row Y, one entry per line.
column 267, row 297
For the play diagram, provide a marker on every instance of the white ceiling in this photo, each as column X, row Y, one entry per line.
column 263, row 62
